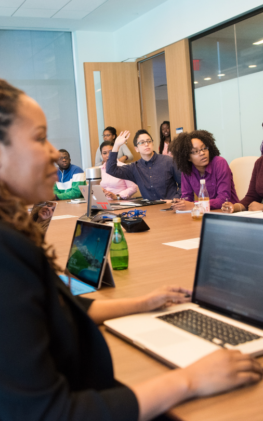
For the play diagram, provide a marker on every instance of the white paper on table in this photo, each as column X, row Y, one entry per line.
column 183, row 211
column 64, row 217
column 122, row 203
column 192, row 243
column 249, row 214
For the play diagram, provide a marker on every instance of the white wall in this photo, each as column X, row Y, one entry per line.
column 89, row 47
column 232, row 111
column 164, row 25
column 175, row 20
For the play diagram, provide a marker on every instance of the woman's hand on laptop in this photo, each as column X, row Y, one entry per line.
column 164, row 296
column 102, row 310
column 221, row 371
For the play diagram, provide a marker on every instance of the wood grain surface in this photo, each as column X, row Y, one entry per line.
column 121, row 101
column 152, row 264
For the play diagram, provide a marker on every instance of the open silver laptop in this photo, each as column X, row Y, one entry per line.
column 100, row 201
column 227, row 302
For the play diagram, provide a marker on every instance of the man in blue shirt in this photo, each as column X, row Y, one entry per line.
column 69, row 178
column 156, row 175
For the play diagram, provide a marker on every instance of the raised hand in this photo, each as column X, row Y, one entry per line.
column 121, row 139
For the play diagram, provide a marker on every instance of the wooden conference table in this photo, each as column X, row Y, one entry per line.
column 152, row 264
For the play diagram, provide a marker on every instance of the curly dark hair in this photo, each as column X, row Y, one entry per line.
column 181, row 148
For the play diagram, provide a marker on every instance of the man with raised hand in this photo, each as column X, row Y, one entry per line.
column 156, row 175
column 69, row 178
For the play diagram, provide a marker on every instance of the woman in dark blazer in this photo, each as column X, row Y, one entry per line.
column 54, row 362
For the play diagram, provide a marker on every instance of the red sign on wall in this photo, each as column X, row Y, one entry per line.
column 196, row 65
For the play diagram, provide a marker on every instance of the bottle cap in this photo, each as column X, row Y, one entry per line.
column 202, row 181
column 116, row 220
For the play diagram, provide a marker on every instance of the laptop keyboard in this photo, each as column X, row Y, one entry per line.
column 206, row 327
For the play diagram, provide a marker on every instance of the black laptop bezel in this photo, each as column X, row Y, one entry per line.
column 209, row 306
column 103, row 266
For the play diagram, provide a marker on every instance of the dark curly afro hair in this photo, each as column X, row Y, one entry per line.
column 181, row 148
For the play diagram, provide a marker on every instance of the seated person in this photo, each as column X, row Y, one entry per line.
column 165, row 138
column 198, row 158
column 54, row 361
column 156, row 175
column 69, row 178
column 114, row 188
column 124, row 154
column 253, row 199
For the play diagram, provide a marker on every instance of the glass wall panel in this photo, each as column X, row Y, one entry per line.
column 41, row 64
column 227, row 73
column 249, row 34
column 216, row 90
column 154, row 96
column 99, row 105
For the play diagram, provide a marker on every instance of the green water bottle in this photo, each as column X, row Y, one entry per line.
column 119, row 250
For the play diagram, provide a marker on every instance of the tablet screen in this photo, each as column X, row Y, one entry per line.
column 88, row 251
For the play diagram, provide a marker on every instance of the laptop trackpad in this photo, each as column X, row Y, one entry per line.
column 162, row 337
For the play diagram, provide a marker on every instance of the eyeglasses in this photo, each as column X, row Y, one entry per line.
column 197, row 152
column 145, row 142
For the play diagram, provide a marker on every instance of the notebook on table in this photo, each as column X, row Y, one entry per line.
column 226, row 308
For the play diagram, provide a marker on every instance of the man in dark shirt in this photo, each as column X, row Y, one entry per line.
column 156, row 175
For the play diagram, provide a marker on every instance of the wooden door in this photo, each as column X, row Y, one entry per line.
column 120, row 97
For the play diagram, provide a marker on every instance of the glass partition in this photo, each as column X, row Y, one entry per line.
column 99, row 104
column 227, row 69
column 41, row 64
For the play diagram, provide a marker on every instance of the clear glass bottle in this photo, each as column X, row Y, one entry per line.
column 203, row 196
column 197, row 211
column 119, row 250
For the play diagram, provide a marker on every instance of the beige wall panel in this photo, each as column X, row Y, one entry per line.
column 149, row 118
column 121, row 105
column 179, row 86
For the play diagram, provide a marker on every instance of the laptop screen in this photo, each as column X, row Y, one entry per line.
column 229, row 272
column 88, row 251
